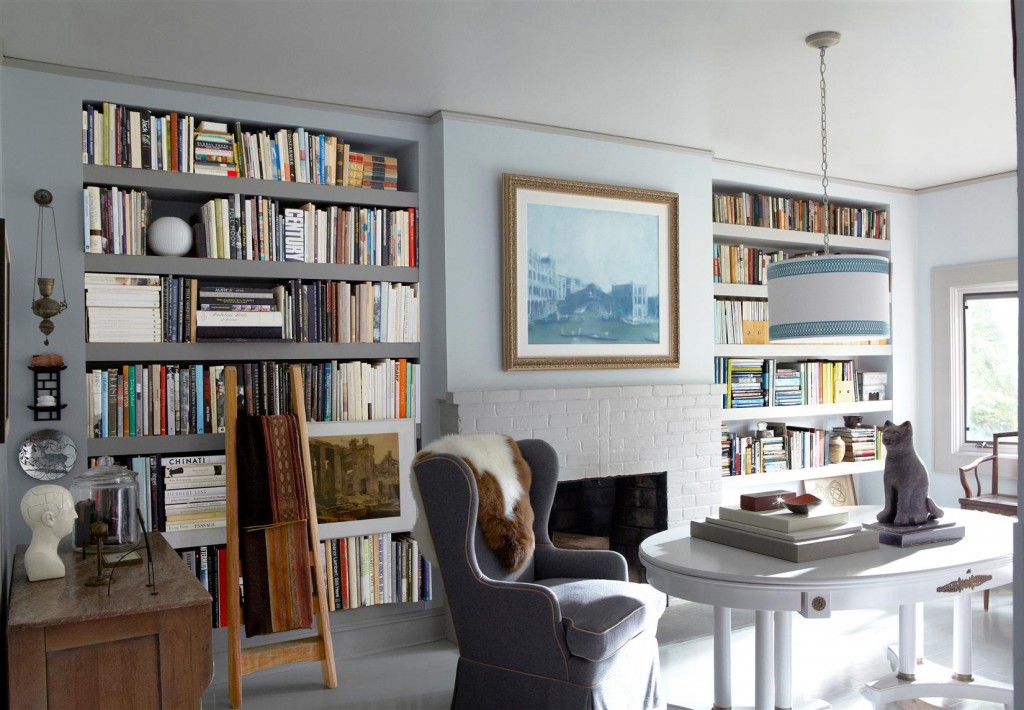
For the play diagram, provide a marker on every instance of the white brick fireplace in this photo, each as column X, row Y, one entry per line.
column 612, row 431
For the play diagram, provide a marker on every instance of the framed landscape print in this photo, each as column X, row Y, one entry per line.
column 837, row 491
column 361, row 476
column 591, row 275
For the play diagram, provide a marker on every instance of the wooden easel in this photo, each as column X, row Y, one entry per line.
column 317, row 647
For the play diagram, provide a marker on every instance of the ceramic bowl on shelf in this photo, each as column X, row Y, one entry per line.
column 801, row 504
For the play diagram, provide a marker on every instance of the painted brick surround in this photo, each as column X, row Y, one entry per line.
column 612, row 431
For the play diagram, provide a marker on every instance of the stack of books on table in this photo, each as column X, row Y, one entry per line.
column 823, row 532
column 123, row 308
column 194, row 492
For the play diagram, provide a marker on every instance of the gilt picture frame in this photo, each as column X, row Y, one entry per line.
column 837, row 491
column 591, row 275
column 361, row 473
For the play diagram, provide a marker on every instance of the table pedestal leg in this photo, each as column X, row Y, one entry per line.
column 723, row 658
column 962, row 637
column 763, row 651
column 783, row 660
column 908, row 642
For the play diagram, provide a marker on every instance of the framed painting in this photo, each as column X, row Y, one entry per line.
column 838, row 491
column 591, row 275
column 361, row 476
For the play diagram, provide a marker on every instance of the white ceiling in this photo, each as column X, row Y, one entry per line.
column 919, row 93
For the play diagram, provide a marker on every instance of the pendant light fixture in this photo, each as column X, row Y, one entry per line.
column 830, row 297
column 45, row 306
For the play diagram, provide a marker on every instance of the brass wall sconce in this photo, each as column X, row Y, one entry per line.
column 45, row 306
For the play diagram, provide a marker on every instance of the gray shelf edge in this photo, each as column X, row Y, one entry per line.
column 172, row 185
column 143, row 445
column 244, row 351
column 239, row 268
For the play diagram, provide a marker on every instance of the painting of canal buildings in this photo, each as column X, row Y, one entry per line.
column 591, row 275
column 361, row 475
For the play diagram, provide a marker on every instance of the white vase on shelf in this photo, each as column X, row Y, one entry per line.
column 169, row 236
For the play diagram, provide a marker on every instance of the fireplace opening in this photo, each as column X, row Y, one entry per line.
column 611, row 513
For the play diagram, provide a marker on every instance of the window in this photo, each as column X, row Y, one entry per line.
column 989, row 339
column 974, row 359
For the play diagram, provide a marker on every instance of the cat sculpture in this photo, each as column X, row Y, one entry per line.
column 905, row 480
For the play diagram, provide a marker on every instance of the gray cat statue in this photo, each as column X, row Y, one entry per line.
column 905, row 480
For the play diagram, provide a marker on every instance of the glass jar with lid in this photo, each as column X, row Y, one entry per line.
column 106, row 493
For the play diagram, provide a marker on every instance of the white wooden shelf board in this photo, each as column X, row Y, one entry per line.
column 787, row 239
column 756, row 480
column 805, row 410
column 794, row 351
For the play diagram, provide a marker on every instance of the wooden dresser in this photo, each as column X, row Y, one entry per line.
column 72, row 646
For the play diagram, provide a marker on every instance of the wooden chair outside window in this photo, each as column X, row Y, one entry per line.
column 975, row 495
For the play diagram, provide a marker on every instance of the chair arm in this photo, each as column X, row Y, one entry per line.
column 551, row 562
column 514, row 625
column 972, row 467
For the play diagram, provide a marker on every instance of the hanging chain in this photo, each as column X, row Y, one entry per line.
column 824, row 151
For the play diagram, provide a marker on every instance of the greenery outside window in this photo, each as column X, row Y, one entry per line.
column 974, row 361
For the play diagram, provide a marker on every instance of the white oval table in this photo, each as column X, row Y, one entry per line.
column 730, row 578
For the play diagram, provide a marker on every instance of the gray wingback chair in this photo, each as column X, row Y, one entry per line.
column 567, row 631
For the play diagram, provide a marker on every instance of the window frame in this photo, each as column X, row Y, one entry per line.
column 950, row 284
column 965, row 295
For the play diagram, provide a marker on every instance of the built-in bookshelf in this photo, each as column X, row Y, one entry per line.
column 361, row 228
column 753, row 227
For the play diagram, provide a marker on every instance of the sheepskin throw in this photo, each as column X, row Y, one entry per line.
column 503, row 483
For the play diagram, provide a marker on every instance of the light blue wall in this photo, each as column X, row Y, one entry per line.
column 963, row 224
column 476, row 153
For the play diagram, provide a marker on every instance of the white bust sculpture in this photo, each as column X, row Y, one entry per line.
column 50, row 512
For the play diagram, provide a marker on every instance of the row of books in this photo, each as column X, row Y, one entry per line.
column 261, row 229
column 138, row 138
column 798, row 214
column 116, row 220
column 170, row 399
column 317, row 158
column 761, row 382
column 175, row 309
column 730, row 314
column 367, row 570
column 737, row 264
column 776, row 446
column 359, row 571
column 823, row 532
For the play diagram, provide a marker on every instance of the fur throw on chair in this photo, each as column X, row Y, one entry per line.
column 503, row 483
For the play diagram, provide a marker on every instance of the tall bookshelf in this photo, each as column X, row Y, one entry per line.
column 182, row 194
column 876, row 357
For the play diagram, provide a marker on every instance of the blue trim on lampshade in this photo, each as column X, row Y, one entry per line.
column 829, row 328
column 826, row 265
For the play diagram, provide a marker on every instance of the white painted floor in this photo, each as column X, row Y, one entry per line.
column 833, row 659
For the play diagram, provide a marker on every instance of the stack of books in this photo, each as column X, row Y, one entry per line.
column 194, row 492
column 214, row 150
column 235, row 312
column 377, row 172
column 862, row 443
column 123, row 308
column 824, row 532
column 789, row 390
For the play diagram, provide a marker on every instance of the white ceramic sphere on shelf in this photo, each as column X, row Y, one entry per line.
column 169, row 236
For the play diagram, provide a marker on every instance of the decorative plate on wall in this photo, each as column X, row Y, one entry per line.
column 47, row 454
